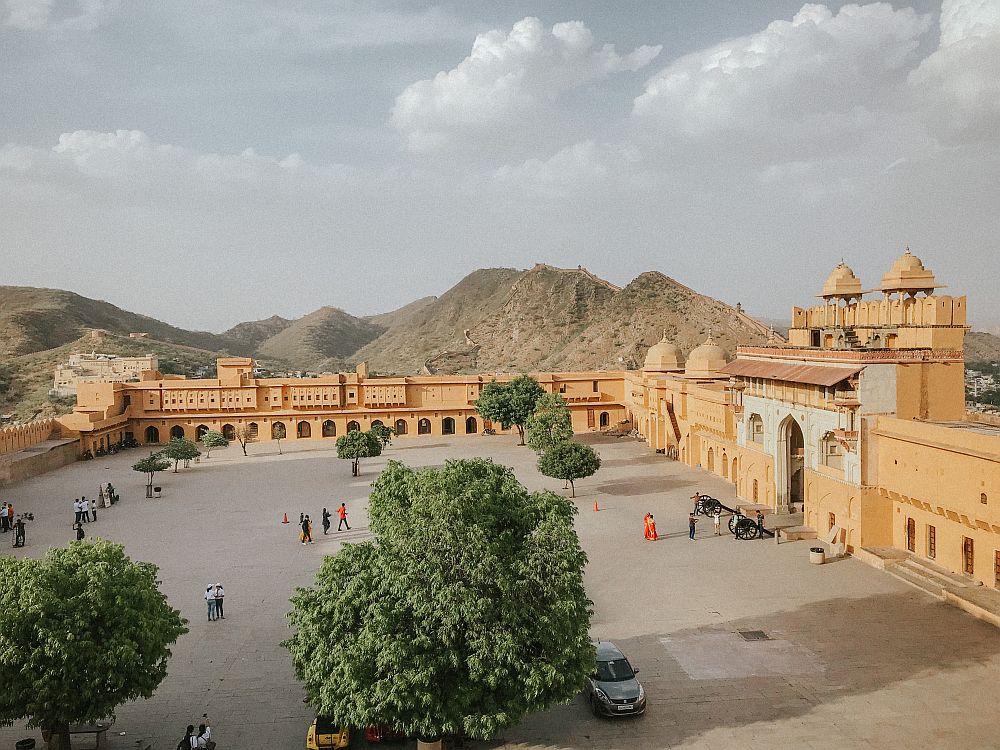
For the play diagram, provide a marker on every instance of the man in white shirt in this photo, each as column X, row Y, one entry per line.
column 76, row 510
column 85, row 510
column 220, row 594
column 4, row 518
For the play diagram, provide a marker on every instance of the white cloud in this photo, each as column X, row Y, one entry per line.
column 34, row 15
column 820, row 75
column 957, row 87
column 505, row 76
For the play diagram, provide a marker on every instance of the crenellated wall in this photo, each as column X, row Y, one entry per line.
column 19, row 437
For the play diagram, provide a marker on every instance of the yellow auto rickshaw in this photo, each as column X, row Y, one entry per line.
column 324, row 734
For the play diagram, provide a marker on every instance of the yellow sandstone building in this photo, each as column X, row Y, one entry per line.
column 857, row 421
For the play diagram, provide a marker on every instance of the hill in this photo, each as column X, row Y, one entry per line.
column 321, row 340
column 982, row 347
column 35, row 320
column 253, row 333
column 503, row 320
column 389, row 319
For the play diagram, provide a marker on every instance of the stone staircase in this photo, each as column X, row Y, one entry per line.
column 955, row 589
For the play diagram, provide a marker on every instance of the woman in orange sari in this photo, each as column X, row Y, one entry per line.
column 651, row 528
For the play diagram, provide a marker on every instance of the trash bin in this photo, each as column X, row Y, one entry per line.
column 817, row 555
column 156, row 490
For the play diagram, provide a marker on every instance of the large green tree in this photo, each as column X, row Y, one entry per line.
column 466, row 612
column 550, row 424
column 213, row 439
column 180, row 449
column 569, row 461
column 356, row 445
column 82, row 631
column 510, row 403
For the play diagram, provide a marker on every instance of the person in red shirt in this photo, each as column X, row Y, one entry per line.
column 342, row 512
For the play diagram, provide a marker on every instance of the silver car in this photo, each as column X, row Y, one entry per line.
column 613, row 689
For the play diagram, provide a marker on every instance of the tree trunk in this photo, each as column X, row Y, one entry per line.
column 572, row 488
column 176, row 464
column 244, row 447
column 354, row 467
column 60, row 738
column 520, row 432
column 279, row 448
column 427, row 744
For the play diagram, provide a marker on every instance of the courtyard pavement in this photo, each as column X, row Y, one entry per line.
column 855, row 658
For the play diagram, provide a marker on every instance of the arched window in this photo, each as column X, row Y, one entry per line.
column 253, row 430
column 471, row 426
column 447, row 426
column 424, row 427
column 303, row 430
column 605, row 419
column 400, row 426
column 277, row 430
column 725, row 465
column 755, row 429
column 711, row 460
column 200, row 432
column 229, row 432
column 176, row 431
column 353, row 426
column 755, row 496
column 831, row 452
column 378, row 422
column 152, row 435
column 329, row 428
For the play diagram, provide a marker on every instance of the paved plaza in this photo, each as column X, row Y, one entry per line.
column 854, row 658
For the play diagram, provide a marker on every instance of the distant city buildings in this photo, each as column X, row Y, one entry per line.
column 99, row 368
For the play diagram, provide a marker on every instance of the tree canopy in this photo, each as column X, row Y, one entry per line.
column 213, row 439
column 356, row 445
column 569, row 461
column 510, row 403
column 245, row 434
column 151, row 464
column 466, row 612
column 550, row 424
column 383, row 433
column 82, row 631
column 180, row 449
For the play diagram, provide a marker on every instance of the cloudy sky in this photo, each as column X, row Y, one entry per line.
column 208, row 163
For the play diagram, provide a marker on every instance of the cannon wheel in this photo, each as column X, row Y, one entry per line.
column 733, row 522
column 749, row 529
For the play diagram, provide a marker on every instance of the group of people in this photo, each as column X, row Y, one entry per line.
column 306, row 536
column 215, row 595
column 201, row 737
column 9, row 522
column 649, row 525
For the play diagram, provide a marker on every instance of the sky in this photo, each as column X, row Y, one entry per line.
column 209, row 163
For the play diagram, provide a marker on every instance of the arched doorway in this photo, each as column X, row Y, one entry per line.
column 733, row 474
column 378, row 423
column 711, row 460
column 791, row 459
column 303, row 430
column 254, row 430
column 725, row 465
column 353, row 426
column 471, row 426
column 400, row 426
column 152, row 435
column 424, row 427
column 605, row 419
column 277, row 431
column 229, row 432
column 329, row 428
column 176, row 431
column 200, row 432
column 447, row 426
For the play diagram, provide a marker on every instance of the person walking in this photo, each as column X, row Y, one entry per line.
column 4, row 518
column 326, row 522
column 652, row 529
column 220, row 595
column 79, row 531
column 93, row 511
column 342, row 512
column 307, row 536
column 717, row 520
column 695, row 497
column 185, row 744
column 84, row 510
column 19, row 532
column 210, row 601
column 760, row 525
column 692, row 521
column 204, row 738
column 76, row 511
column 645, row 526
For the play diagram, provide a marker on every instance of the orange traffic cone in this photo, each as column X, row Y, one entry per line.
column 285, row 519
column 595, row 507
